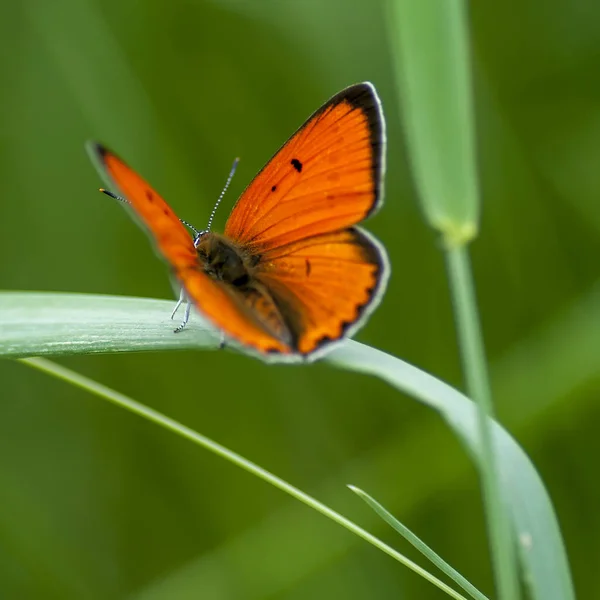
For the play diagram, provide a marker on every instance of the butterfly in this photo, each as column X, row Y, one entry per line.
column 291, row 274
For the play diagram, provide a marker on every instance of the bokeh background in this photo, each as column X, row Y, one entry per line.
column 96, row 503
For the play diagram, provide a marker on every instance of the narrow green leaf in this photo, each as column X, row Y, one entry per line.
column 420, row 545
column 39, row 324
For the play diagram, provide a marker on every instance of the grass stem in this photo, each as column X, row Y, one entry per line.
column 478, row 387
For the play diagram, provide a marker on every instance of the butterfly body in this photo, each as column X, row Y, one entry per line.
column 238, row 271
column 224, row 260
column 291, row 274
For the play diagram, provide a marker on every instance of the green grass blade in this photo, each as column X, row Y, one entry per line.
column 420, row 545
column 123, row 401
column 34, row 324
column 39, row 324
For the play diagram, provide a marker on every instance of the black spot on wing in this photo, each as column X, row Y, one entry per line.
column 297, row 165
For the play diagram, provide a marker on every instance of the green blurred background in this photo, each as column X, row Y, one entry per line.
column 96, row 503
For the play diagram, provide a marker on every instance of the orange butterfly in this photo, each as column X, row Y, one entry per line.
column 291, row 274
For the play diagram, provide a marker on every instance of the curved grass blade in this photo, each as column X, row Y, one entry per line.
column 541, row 548
column 54, row 324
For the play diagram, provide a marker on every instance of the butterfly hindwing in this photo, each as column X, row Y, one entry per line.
column 325, row 285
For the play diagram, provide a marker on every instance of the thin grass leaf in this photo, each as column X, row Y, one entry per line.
column 420, row 545
column 53, row 324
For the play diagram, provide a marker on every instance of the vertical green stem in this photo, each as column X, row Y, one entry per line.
column 478, row 386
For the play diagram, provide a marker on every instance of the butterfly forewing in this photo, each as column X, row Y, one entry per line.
column 171, row 237
column 325, row 178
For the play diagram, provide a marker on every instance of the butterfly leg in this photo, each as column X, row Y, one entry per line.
column 186, row 318
column 179, row 302
column 222, row 341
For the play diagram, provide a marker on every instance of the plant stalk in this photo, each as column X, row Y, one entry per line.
column 478, row 387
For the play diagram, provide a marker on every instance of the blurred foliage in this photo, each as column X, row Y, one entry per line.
column 98, row 504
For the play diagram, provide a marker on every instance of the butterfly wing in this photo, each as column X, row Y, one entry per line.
column 250, row 318
column 325, row 286
column 326, row 177
column 170, row 235
column 298, row 216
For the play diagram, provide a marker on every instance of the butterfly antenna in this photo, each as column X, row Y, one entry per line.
column 196, row 233
column 119, row 198
column 229, row 178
